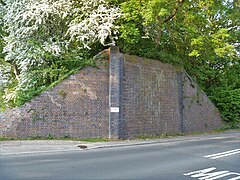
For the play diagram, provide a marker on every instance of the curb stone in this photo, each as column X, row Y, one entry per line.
column 53, row 146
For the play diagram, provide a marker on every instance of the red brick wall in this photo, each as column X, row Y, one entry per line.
column 199, row 113
column 77, row 107
column 150, row 97
column 153, row 98
column 160, row 98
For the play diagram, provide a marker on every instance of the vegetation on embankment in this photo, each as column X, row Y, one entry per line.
column 38, row 46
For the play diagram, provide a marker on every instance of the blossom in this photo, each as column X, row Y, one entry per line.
column 41, row 29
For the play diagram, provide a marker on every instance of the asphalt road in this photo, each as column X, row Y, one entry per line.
column 204, row 157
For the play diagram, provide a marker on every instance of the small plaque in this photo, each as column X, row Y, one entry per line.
column 114, row 109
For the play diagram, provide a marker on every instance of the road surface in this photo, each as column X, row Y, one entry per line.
column 205, row 157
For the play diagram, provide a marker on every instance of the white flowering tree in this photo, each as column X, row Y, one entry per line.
column 39, row 34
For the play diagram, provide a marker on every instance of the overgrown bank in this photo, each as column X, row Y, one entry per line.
column 201, row 36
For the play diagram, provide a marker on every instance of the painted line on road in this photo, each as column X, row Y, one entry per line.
column 211, row 174
column 223, row 154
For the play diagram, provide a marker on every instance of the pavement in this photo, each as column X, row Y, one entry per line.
column 53, row 146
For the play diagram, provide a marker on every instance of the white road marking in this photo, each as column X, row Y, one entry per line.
column 208, row 174
column 223, row 154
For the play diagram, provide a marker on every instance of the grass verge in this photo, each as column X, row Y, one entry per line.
column 170, row 135
column 66, row 138
column 141, row 137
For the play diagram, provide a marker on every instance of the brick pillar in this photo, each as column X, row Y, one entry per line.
column 180, row 96
column 115, row 69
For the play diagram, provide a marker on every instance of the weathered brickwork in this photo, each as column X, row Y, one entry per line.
column 150, row 97
column 127, row 97
column 199, row 113
column 78, row 107
column 160, row 98
column 115, row 93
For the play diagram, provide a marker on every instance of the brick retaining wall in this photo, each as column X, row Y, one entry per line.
column 199, row 113
column 126, row 98
column 150, row 97
column 77, row 107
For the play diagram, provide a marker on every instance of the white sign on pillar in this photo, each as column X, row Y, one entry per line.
column 114, row 109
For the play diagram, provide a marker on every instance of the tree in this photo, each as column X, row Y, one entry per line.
column 40, row 34
column 44, row 39
column 191, row 28
column 201, row 36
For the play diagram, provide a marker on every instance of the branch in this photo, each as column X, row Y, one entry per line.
column 180, row 3
column 16, row 71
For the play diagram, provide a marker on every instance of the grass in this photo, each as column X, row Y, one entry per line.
column 49, row 137
column 228, row 127
column 169, row 135
column 141, row 137
column 165, row 135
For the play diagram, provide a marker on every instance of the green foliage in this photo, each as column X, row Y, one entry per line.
column 47, row 77
column 230, row 125
column 50, row 137
column 2, row 106
column 201, row 36
column 44, row 77
column 42, row 41
column 223, row 88
column 228, row 102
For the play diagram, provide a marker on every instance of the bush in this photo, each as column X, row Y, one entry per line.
column 228, row 102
